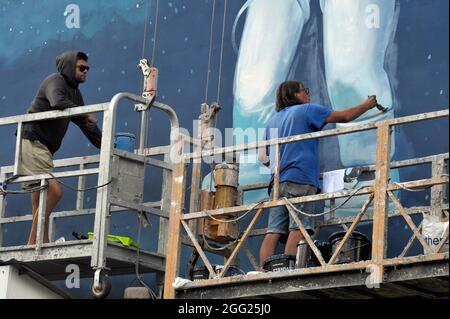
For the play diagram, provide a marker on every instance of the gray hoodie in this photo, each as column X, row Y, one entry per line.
column 58, row 92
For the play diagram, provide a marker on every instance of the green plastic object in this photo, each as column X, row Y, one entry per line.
column 125, row 241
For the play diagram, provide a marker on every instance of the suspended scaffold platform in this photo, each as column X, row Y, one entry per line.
column 424, row 274
column 120, row 187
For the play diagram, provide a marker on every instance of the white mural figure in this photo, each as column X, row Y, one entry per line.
column 356, row 36
column 355, row 40
column 266, row 55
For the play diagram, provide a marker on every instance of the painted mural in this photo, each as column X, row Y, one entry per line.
column 234, row 52
column 357, row 39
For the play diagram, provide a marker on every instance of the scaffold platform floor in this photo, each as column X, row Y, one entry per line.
column 53, row 259
column 420, row 279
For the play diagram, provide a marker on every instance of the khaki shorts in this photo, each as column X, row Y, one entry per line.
column 35, row 159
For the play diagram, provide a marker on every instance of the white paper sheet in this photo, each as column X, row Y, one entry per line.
column 333, row 181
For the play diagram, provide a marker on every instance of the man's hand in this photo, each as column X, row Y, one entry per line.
column 352, row 113
column 91, row 118
column 371, row 102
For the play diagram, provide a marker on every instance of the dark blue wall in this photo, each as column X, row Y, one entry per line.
column 33, row 33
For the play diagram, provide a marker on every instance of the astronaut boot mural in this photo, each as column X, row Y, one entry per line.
column 354, row 51
column 266, row 55
column 356, row 38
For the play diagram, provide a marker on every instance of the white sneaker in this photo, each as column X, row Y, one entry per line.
column 60, row 240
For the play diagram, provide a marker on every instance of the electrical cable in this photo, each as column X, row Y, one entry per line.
column 5, row 183
column 227, row 221
column 136, row 265
column 42, row 187
column 324, row 213
column 412, row 189
column 238, row 218
column 79, row 189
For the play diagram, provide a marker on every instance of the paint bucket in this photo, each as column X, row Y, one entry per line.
column 356, row 248
column 125, row 141
column 305, row 256
column 202, row 272
column 280, row 262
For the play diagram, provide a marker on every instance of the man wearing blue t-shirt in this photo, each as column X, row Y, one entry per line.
column 299, row 162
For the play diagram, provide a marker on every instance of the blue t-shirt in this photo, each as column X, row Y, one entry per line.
column 299, row 161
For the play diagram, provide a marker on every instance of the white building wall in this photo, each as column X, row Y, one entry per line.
column 15, row 286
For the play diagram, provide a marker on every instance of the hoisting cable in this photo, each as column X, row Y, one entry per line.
column 220, row 78
column 208, row 71
column 144, row 40
column 155, row 33
column 221, row 51
column 141, row 214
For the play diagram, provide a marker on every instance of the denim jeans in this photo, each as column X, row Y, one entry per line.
column 280, row 221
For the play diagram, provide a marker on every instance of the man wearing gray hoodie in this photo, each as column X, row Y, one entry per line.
column 40, row 140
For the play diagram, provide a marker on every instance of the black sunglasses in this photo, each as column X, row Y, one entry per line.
column 83, row 68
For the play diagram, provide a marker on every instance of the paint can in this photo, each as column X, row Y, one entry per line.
column 125, row 141
column 280, row 262
column 356, row 248
column 202, row 272
column 305, row 256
